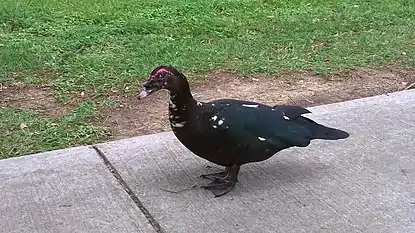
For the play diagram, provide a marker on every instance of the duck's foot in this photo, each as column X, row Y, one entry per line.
column 223, row 175
column 223, row 185
column 220, row 188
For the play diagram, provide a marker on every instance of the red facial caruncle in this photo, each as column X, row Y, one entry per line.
column 161, row 70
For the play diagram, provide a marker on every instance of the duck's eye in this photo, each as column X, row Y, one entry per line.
column 160, row 76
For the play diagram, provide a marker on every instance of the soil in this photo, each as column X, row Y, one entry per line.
column 150, row 115
column 132, row 117
column 32, row 97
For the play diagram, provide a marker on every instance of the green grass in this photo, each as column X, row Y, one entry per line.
column 102, row 44
column 110, row 44
column 26, row 132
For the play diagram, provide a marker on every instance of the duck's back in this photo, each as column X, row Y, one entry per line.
column 230, row 132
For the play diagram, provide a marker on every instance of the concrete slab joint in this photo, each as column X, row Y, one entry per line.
column 128, row 190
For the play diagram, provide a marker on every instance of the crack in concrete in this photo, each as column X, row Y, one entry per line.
column 129, row 191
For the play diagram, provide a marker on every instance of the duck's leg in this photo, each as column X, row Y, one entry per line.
column 223, row 186
column 217, row 175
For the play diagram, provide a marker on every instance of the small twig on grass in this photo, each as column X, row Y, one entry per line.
column 292, row 100
column 410, row 86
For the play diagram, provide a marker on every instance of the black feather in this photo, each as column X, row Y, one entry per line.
column 233, row 132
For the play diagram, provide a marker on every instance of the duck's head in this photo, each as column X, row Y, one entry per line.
column 164, row 77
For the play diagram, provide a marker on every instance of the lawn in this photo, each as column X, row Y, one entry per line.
column 100, row 47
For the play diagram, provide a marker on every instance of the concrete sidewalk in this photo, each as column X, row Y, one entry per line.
column 365, row 183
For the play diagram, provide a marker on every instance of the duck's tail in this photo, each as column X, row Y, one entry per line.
column 322, row 132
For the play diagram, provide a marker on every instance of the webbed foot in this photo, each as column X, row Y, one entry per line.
column 222, row 182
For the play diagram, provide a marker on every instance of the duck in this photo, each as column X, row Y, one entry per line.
column 232, row 132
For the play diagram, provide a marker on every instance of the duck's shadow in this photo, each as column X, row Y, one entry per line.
column 252, row 177
column 274, row 174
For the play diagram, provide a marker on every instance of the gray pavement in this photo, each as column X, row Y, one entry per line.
column 365, row 183
column 65, row 191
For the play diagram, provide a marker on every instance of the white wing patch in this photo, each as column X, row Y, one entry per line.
column 220, row 122
column 178, row 125
column 261, row 139
column 285, row 116
column 250, row 105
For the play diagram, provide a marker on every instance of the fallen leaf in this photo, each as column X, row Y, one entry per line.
column 22, row 125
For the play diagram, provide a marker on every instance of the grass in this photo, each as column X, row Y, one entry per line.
column 26, row 132
column 104, row 45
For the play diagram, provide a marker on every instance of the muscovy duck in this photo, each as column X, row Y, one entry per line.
column 231, row 132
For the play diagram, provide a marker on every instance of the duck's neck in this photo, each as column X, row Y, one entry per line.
column 179, row 106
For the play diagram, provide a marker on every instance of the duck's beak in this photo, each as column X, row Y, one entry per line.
column 150, row 87
column 144, row 93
